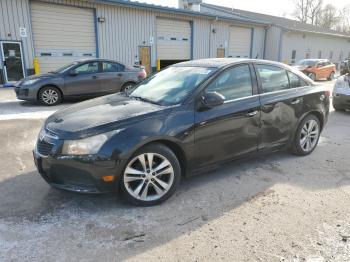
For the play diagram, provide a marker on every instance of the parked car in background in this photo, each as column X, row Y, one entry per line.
column 80, row 79
column 144, row 140
column 317, row 68
column 344, row 67
column 341, row 93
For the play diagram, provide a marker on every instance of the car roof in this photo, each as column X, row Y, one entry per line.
column 223, row 62
column 96, row 60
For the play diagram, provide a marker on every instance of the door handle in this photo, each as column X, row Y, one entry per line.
column 295, row 101
column 120, row 74
column 252, row 113
column 94, row 77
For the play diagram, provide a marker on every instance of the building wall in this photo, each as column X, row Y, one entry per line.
column 13, row 15
column 313, row 43
column 272, row 48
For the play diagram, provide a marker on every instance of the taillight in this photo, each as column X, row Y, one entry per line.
column 142, row 74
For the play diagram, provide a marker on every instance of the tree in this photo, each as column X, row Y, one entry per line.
column 307, row 11
column 344, row 23
column 329, row 17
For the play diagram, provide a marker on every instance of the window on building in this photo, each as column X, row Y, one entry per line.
column 319, row 54
column 295, row 81
column 294, row 54
column 330, row 55
column 272, row 78
column 307, row 55
column 233, row 83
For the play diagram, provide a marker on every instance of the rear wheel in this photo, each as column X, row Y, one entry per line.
column 331, row 76
column 127, row 86
column 307, row 136
column 151, row 176
column 50, row 96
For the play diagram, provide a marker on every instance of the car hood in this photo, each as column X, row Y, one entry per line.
column 97, row 115
column 342, row 85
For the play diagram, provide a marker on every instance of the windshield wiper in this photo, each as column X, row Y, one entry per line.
column 144, row 99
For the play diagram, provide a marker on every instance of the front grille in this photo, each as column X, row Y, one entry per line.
column 44, row 148
column 21, row 92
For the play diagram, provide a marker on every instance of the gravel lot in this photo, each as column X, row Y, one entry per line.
column 276, row 207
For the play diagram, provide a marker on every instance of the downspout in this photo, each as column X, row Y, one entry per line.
column 251, row 43
column 280, row 46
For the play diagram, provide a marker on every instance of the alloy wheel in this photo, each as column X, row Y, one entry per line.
column 50, row 96
column 309, row 135
column 148, row 176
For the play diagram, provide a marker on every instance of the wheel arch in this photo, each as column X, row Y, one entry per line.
column 174, row 147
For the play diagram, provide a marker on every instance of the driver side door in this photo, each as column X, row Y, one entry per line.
column 83, row 80
column 231, row 129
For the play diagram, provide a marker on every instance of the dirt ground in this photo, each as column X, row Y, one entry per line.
column 276, row 207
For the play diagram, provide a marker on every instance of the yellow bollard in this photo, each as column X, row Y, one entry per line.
column 36, row 66
column 158, row 65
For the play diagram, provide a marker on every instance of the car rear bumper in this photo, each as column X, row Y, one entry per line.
column 341, row 101
column 77, row 174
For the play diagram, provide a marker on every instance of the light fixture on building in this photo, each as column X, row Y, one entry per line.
column 214, row 31
column 101, row 19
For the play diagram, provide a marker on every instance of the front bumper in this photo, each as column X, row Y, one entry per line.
column 26, row 93
column 341, row 101
column 81, row 174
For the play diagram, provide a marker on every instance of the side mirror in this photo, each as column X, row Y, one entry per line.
column 211, row 99
column 73, row 73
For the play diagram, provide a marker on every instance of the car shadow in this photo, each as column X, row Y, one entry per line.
column 200, row 199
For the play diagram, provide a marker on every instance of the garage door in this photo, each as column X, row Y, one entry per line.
column 62, row 34
column 240, row 39
column 173, row 39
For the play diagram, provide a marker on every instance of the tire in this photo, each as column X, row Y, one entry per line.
column 141, row 185
column 331, row 76
column 50, row 96
column 307, row 127
column 312, row 76
column 336, row 108
column 127, row 86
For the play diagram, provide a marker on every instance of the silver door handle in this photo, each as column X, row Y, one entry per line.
column 252, row 113
column 294, row 102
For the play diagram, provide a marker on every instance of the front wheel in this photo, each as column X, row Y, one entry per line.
column 307, row 136
column 151, row 176
column 312, row 76
column 50, row 96
column 127, row 86
column 331, row 76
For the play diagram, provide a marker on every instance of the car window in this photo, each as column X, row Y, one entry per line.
column 272, row 78
column 112, row 67
column 233, row 83
column 295, row 81
column 88, row 68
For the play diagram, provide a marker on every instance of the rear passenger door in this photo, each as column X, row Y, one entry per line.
column 281, row 106
column 111, row 77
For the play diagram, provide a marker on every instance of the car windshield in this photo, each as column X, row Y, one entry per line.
column 307, row 62
column 172, row 85
column 64, row 68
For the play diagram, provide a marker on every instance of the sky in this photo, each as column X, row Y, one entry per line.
column 271, row 7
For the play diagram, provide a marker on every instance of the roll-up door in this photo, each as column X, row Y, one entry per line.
column 240, row 41
column 173, row 39
column 62, row 34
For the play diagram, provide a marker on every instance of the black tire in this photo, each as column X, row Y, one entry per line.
column 157, row 149
column 331, row 76
column 127, row 86
column 312, row 76
column 297, row 148
column 56, row 96
column 336, row 108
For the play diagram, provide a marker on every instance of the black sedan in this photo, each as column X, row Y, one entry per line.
column 80, row 79
column 189, row 117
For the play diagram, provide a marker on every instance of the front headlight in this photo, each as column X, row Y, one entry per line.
column 87, row 146
column 30, row 81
